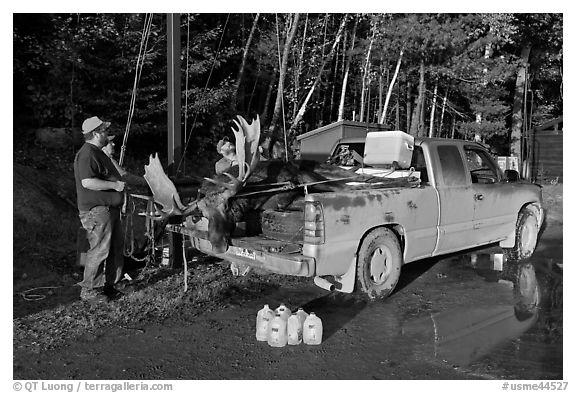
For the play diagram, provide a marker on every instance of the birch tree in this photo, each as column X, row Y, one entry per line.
column 243, row 63
column 391, row 87
column 328, row 58
column 347, row 71
column 273, row 128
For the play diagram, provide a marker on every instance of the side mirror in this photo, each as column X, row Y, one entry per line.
column 511, row 175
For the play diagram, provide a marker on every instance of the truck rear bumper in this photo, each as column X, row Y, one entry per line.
column 292, row 264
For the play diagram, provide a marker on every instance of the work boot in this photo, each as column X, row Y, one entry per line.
column 118, row 289
column 125, row 287
column 93, row 296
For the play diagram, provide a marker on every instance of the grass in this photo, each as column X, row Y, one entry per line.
column 210, row 287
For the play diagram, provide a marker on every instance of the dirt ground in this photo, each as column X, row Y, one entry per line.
column 447, row 319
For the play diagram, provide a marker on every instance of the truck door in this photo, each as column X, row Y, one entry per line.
column 494, row 212
column 456, row 198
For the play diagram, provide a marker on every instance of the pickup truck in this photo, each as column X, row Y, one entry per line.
column 451, row 197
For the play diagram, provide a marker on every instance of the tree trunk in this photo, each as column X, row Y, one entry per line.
column 268, row 98
column 391, row 87
column 415, row 124
column 398, row 106
column 318, row 77
column 443, row 111
column 517, row 115
column 366, row 75
column 283, row 67
column 258, row 74
column 346, row 73
column 433, row 111
column 408, row 103
column 333, row 92
column 243, row 64
column 298, row 69
column 380, row 88
column 422, row 118
column 487, row 53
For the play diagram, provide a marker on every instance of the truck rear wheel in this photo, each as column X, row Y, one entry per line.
column 526, row 236
column 379, row 263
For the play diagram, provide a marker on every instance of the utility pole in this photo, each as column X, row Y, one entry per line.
column 174, row 124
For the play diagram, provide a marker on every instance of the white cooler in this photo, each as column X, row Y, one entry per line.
column 387, row 147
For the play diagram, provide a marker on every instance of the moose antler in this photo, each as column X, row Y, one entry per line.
column 163, row 189
column 247, row 155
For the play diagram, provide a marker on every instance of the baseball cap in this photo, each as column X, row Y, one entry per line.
column 93, row 123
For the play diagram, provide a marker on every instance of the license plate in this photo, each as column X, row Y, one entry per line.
column 243, row 252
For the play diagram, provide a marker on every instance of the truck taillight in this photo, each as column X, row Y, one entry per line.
column 313, row 223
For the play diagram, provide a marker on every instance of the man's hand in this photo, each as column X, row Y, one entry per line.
column 119, row 185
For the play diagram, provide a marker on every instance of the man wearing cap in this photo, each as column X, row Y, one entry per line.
column 228, row 152
column 99, row 192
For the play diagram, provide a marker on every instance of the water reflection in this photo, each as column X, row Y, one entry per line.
column 463, row 335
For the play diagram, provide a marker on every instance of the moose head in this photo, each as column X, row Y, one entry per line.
column 214, row 202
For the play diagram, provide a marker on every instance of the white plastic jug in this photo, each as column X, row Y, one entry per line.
column 312, row 332
column 263, row 319
column 294, row 330
column 277, row 332
column 302, row 315
column 284, row 312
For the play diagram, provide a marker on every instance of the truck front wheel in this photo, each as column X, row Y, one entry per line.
column 379, row 263
column 526, row 236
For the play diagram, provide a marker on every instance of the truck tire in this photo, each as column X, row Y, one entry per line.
column 526, row 237
column 379, row 263
column 287, row 225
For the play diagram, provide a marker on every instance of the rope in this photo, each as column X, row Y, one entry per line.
column 205, row 87
column 34, row 297
column 185, row 266
column 137, row 74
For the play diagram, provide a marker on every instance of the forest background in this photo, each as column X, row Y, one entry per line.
column 484, row 76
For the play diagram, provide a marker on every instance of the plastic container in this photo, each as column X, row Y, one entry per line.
column 312, row 331
column 294, row 330
column 263, row 319
column 283, row 311
column 277, row 332
column 389, row 147
column 302, row 315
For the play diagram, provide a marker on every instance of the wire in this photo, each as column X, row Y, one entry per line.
column 137, row 74
column 34, row 297
column 205, row 88
column 186, row 85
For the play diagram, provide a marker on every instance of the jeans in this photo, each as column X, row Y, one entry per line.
column 105, row 258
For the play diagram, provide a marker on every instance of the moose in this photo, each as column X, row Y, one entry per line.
column 252, row 184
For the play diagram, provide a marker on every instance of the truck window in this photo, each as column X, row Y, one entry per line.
column 451, row 165
column 419, row 163
column 482, row 168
